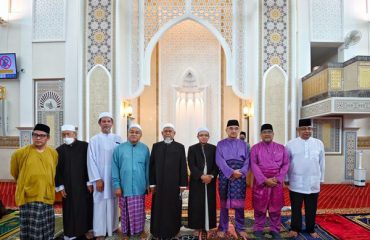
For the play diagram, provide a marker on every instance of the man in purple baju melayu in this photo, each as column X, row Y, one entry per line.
column 232, row 158
column 269, row 163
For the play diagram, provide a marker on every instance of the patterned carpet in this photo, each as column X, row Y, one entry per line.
column 332, row 196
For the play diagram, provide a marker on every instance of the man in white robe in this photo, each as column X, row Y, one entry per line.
column 99, row 164
column 306, row 172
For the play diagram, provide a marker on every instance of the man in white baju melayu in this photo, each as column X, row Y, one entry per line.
column 99, row 164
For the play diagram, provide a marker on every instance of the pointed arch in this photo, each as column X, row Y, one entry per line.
column 98, row 97
column 145, row 79
column 275, row 101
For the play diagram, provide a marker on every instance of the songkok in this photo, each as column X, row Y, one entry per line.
column 168, row 125
column 202, row 129
column 42, row 127
column 135, row 125
column 304, row 122
column 242, row 133
column 266, row 126
column 68, row 127
column 232, row 122
column 105, row 114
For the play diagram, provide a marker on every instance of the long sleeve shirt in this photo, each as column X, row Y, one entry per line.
column 232, row 148
column 307, row 165
column 269, row 157
column 34, row 172
column 130, row 168
column 99, row 162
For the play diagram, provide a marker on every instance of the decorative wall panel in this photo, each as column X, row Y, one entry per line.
column 187, row 48
column 350, row 147
column 326, row 20
column 99, row 29
column 98, row 97
column 48, row 20
column 275, row 34
column 329, row 131
column 275, row 105
column 50, row 107
column 363, row 142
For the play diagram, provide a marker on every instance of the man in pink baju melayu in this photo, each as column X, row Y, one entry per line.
column 269, row 163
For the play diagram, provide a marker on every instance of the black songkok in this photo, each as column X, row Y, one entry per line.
column 242, row 133
column 304, row 122
column 232, row 122
column 266, row 126
column 42, row 127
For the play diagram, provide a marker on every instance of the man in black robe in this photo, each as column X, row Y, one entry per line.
column 202, row 185
column 72, row 181
column 168, row 178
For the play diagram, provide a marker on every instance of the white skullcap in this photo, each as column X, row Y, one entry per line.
column 68, row 127
column 168, row 125
column 202, row 129
column 105, row 114
column 135, row 125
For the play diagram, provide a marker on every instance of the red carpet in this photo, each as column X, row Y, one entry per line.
column 332, row 196
column 342, row 228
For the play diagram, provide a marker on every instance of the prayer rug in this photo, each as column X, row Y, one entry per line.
column 361, row 219
column 341, row 227
column 13, row 232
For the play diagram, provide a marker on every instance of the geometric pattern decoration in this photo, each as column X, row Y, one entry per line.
column 363, row 142
column 339, row 105
column 159, row 12
column 25, row 136
column 275, row 105
column 99, row 33
column 98, row 97
column 275, row 34
column 329, row 131
column 350, row 147
column 50, row 107
column 219, row 13
column 199, row 57
column 48, row 20
column 326, row 20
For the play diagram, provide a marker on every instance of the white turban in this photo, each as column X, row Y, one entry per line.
column 68, row 127
column 135, row 125
column 202, row 129
column 105, row 114
column 168, row 125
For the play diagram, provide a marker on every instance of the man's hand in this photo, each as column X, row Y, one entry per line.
column 90, row 188
column 118, row 192
column 206, row 178
column 237, row 174
column 100, row 185
column 271, row 182
column 152, row 189
column 64, row 194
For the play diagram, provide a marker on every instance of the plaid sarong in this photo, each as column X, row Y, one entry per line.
column 132, row 214
column 37, row 221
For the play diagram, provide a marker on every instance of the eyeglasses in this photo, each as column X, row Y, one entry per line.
column 35, row 135
column 134, row 132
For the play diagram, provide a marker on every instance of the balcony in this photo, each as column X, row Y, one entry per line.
column 337, row 88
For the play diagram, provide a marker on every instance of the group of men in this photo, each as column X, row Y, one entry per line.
column 95, row 178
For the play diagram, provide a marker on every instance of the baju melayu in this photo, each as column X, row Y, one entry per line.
column 72, row 177
column 268, row 160
column 34, row 172
column 306, row 171
column 130, row 173
column 99, row 166
column 232, row 154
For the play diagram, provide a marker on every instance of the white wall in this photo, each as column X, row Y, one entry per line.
column 356, row 18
